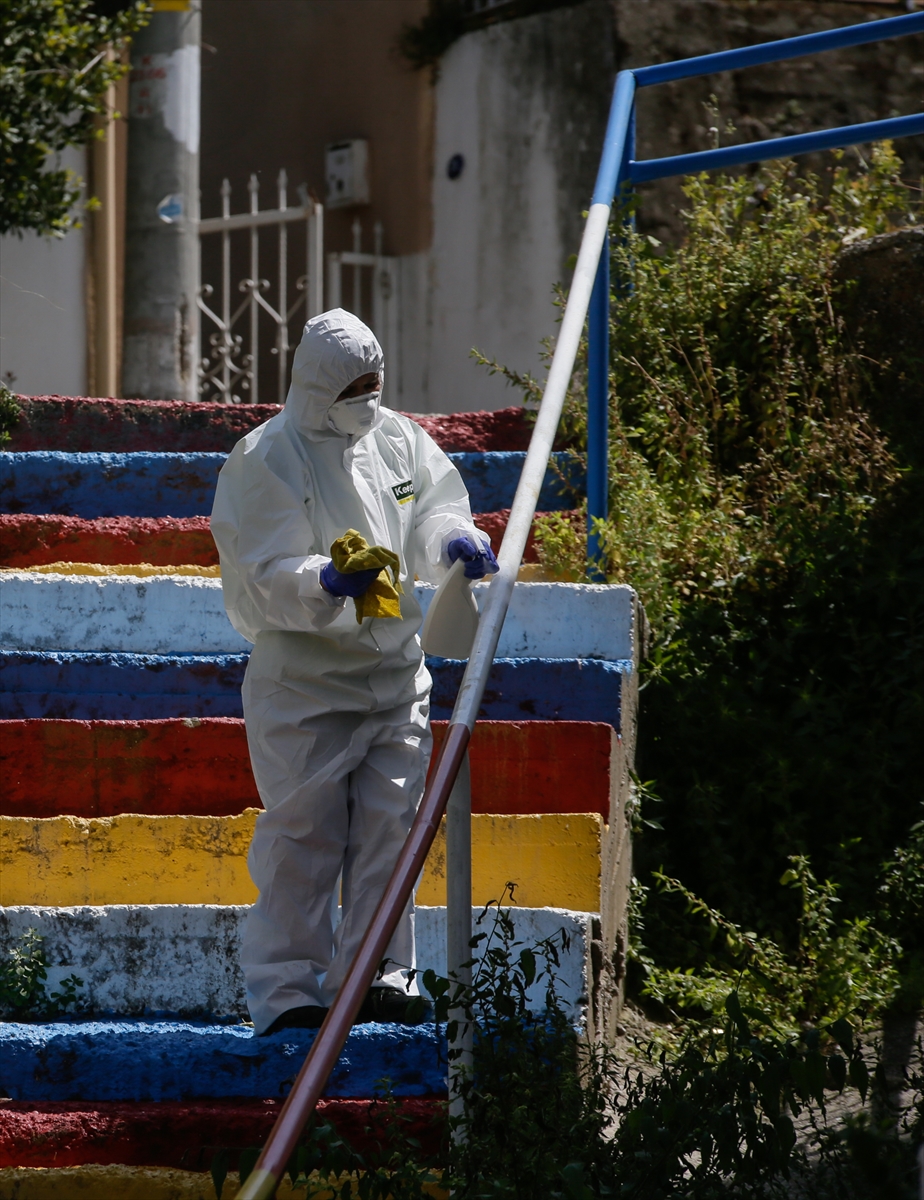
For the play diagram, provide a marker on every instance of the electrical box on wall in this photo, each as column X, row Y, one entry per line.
column 347, row 170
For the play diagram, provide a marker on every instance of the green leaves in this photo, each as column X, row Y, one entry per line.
column 53, row 79
column 733, row 1008
column 23, row 975
column 837, row 968
column 528, row 966
column 246, row 1161
column 10, row 414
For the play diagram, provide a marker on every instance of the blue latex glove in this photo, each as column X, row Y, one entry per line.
column 352, row 584
column 479, row 560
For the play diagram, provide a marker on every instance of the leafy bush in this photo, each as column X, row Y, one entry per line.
column 10, row 415
column 546, row 1114
column 774, row 530
column 901, row 912
column 837, row 970
column 23, row 995
column 737, row 439
column 53, row 80
column 329, row 1167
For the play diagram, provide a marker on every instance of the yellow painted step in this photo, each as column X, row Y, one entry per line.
column 134, row 1183
column 553, row 859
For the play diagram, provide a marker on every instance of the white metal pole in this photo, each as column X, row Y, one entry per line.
column 334, row 280
column 161, row 290
column 282, row 333
column 105, row 252
column 226, row 342
column 253, row 187
column 378, row 298
column 315, row 259
column 357, row 269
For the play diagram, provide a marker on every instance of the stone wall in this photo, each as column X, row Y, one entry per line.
column 525, row 103
column 864, row 83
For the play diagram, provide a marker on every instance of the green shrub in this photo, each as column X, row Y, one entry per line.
column 10, row 415
column 737, row 436
column 774, row 531
column 837, row 970
column 53, row 82
column 901, row 912
column 713, row 1115
column 23, row 994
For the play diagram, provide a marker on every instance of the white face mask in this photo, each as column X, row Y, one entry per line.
column 354, row 416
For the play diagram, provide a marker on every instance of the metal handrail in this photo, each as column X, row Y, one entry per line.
column 629, row 171
column 615, row 166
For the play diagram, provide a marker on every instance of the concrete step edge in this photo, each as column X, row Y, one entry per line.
column 183, row 958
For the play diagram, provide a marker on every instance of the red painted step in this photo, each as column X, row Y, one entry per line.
column 186, row 1136
column 201, row 767
column 82, row 424
column 28, row 540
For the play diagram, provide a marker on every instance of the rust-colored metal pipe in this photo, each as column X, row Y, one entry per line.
column 333, row 1033
column 261, row 1183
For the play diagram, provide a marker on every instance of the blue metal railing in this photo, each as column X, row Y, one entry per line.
column 619, row 169
column 589, row 294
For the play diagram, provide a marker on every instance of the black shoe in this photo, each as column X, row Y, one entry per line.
column 393, row 1006
column 307, row 1016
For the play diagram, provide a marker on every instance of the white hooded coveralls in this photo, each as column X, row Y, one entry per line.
column 336, row 712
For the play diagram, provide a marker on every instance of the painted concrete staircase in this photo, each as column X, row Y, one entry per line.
column 128, row 802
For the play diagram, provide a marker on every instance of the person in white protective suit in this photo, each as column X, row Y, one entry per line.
column 337, row 713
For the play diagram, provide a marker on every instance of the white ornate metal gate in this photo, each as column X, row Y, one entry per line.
column 227, row 368
column 383, row 289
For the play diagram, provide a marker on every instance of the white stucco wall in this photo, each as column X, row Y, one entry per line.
column 43, row 312
column 496, row 246
column 525, row 103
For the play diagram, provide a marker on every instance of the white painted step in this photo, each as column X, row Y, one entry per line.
column 184, row 614
column 183, row 958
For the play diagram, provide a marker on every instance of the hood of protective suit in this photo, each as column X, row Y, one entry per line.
column 335, row 349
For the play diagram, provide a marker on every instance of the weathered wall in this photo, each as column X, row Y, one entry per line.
column 281, row 80
column 43, row 310
column 524, row 102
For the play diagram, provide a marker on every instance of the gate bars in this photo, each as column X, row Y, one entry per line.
column 630, row 172
column 227, row 367
column 589, row 291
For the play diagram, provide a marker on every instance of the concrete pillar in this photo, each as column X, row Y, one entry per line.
column 161, row 328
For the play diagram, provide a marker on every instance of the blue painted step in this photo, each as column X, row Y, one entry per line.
column 182, row 485
column 180, row 1060
column 134, row 687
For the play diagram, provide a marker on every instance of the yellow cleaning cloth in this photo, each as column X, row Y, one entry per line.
column 352, row 552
